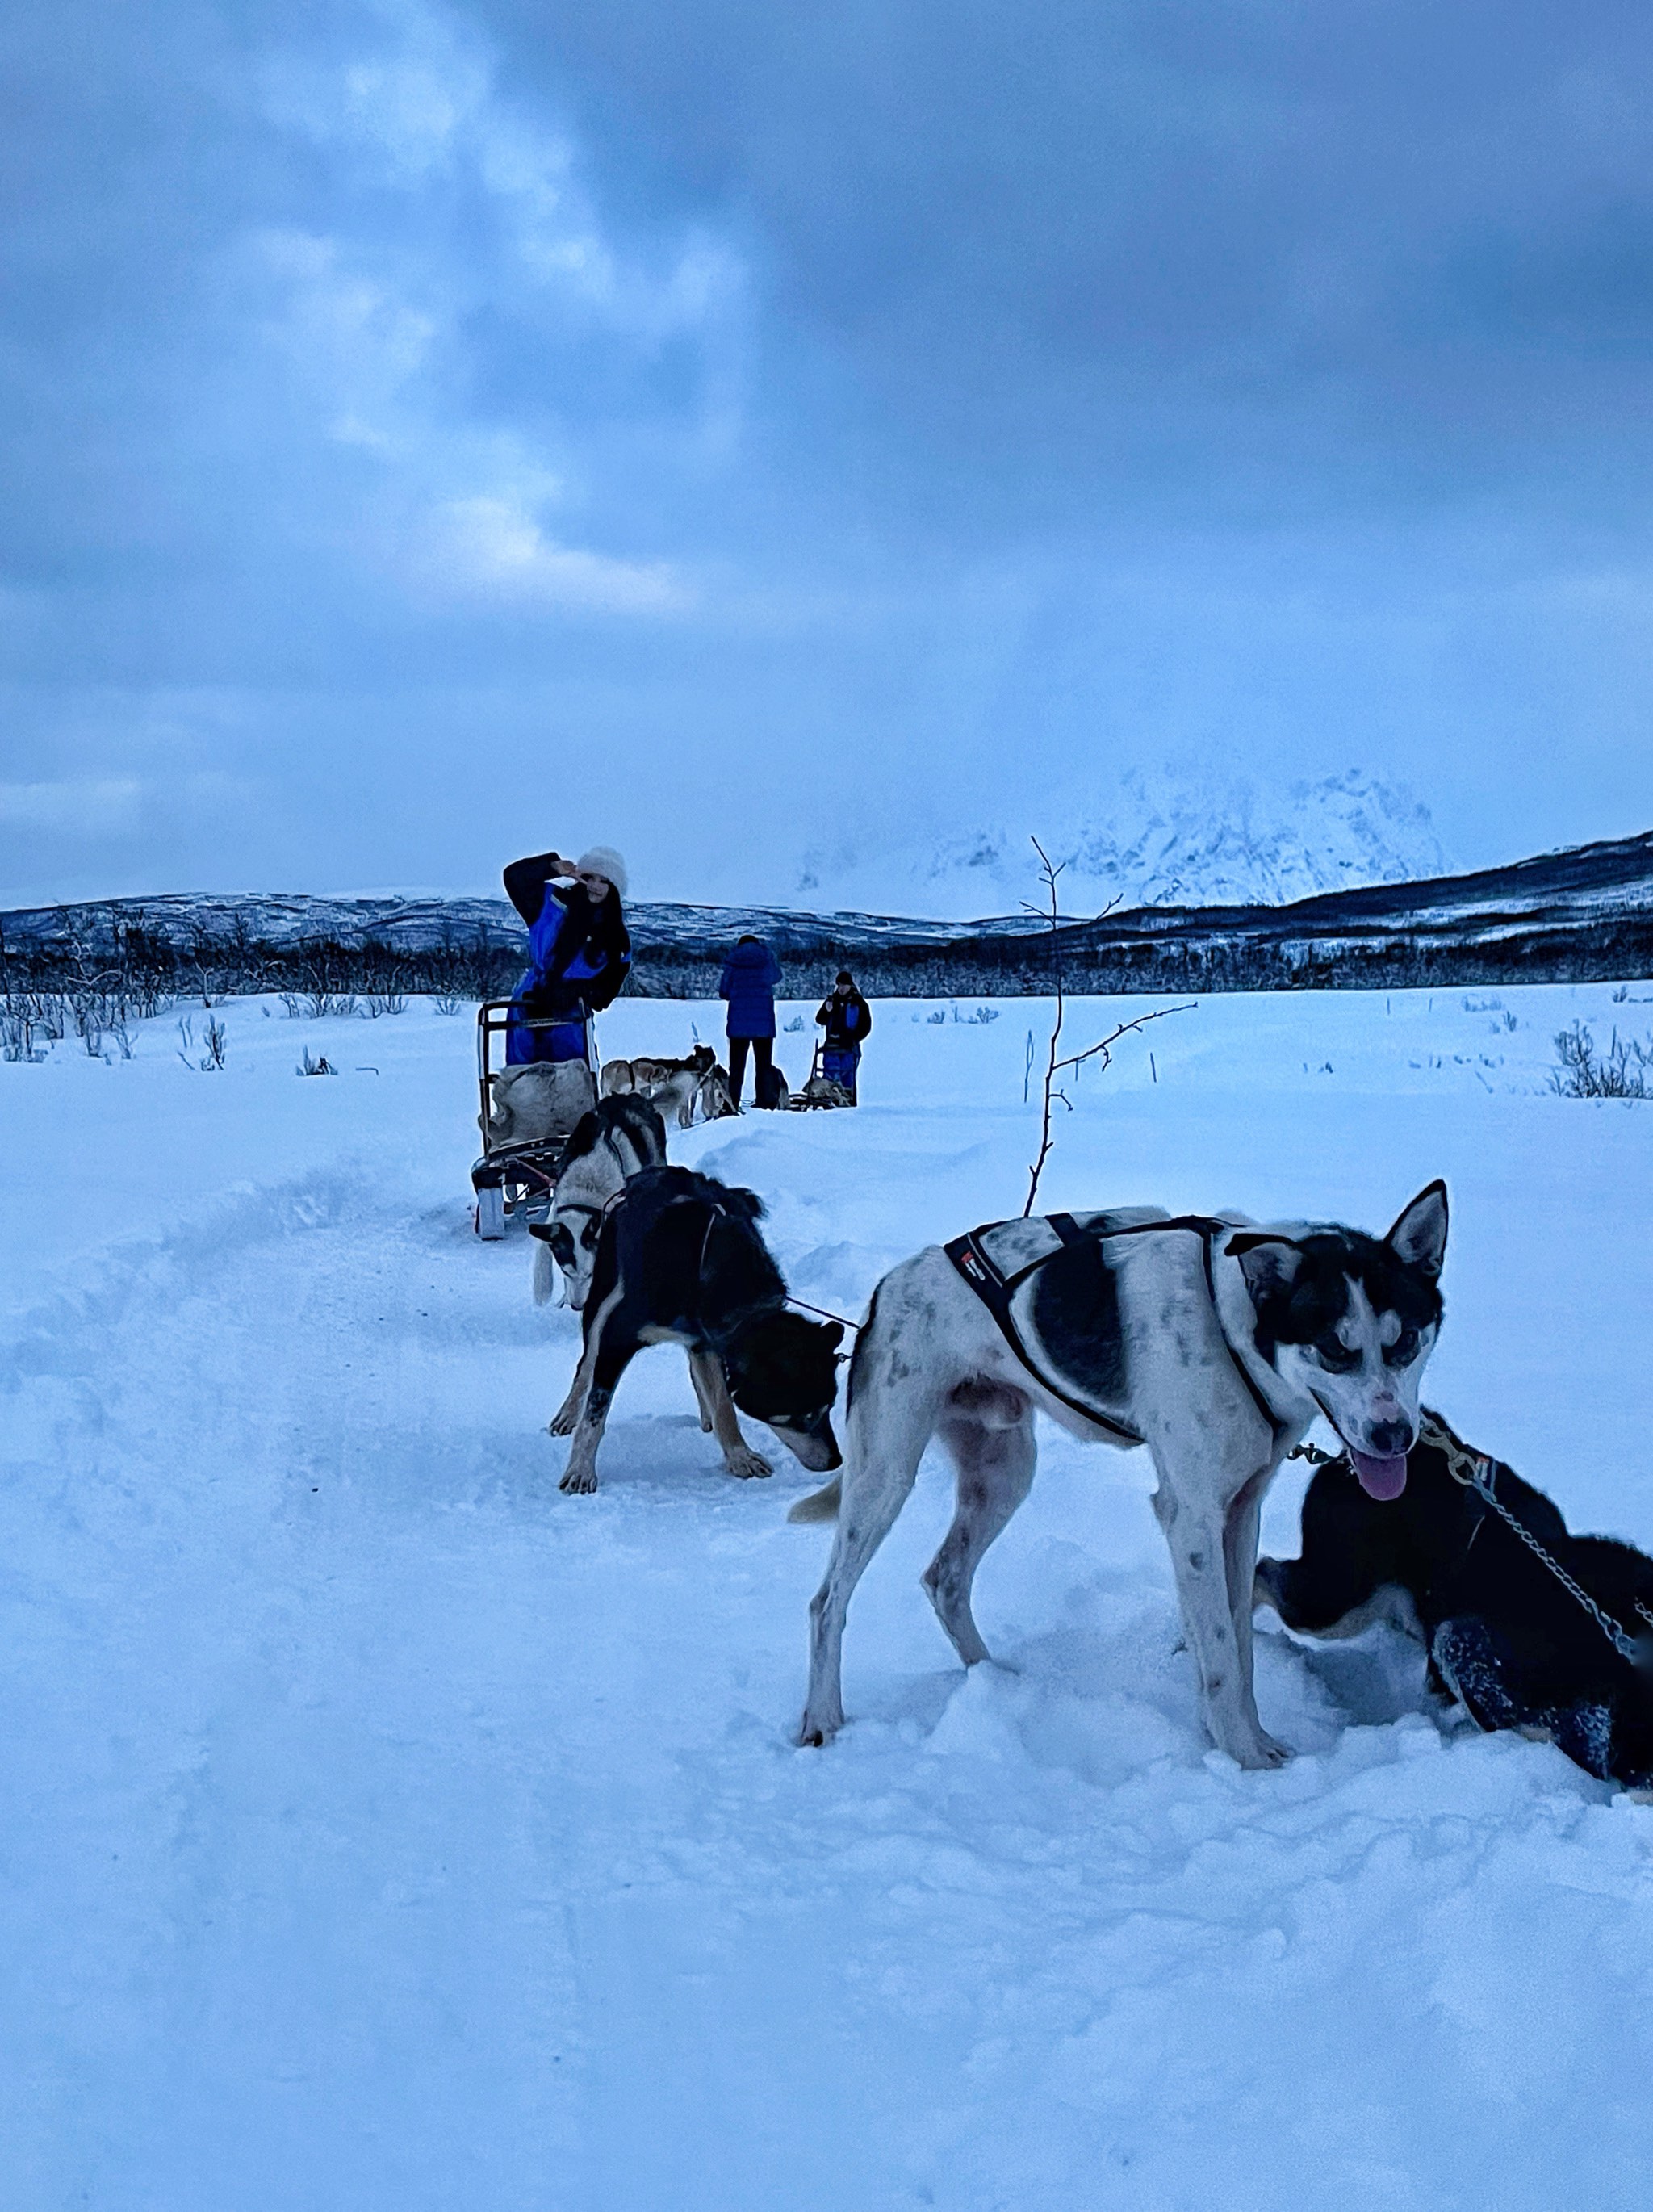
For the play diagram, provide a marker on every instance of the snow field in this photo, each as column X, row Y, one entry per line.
column 387, row 1830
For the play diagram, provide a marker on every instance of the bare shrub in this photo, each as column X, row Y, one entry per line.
column 1585, row 1070
column 18, row 1021
column 214, row 1039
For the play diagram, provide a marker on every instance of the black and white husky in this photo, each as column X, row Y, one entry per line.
column 615, row 1141
column 1213, row 1341
column 680, row 1261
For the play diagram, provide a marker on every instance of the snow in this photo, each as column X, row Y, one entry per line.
column 385, row 1829
column 1160, row 841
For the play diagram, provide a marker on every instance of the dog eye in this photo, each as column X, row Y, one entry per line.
column 1336, row 1356
column 1403, row 1351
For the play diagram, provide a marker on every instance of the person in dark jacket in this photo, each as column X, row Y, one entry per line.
column 581, row 950
column 847, row 1020
column 749, row 976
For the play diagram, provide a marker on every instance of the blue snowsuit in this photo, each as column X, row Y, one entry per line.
column 847, row 1022
column 581, row 954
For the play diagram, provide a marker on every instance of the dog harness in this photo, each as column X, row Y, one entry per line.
column 996, row 1286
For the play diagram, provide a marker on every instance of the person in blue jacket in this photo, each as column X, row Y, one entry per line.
column 847, row 1020
column 579, row 946
column 749, row 976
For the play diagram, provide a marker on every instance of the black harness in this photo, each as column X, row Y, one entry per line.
column 996, row 1289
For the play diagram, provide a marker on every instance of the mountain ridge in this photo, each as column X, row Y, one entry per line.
column 1576, row 913
column 1164, row 840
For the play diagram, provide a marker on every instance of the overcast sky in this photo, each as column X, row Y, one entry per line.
column 430, row 431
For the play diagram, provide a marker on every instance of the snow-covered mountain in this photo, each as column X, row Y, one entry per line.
column 1164, row 841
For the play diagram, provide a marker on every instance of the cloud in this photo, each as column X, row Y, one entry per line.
column 493, row 549
column 92, row 805
column 907, row 409
column 377, row 327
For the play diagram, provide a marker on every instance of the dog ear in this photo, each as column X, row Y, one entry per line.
column 1419, row 1236
column 833, row 1331
column 542, row 1229
column 1268, row 1263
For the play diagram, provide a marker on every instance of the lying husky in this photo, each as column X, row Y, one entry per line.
column 610, row 1144
column 819, row 1090
column 679, row 1260
column 1213, row 1342
column 1504, row 1635
column 534, row 1104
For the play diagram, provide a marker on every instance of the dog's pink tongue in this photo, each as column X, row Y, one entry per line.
column 1382, row 1479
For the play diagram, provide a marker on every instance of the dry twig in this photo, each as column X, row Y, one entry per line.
column 1056, row 1063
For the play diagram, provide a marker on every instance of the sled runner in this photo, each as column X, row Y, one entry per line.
column 527, row 1114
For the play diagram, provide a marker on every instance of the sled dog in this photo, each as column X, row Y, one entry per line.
column 677, row 1087
column 1213, row 1341
column 820, row 1090
column 535, row 1104
column 646, row 1073
column 610, row 1144
column 680, row 1261
column 1504, row 1635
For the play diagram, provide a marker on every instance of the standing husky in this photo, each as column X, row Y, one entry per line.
column 615, row 1141
column 680, row 1261
column 1212, row 1341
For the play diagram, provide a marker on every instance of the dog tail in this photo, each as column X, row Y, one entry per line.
column 820, row 1504
column 545, row 1272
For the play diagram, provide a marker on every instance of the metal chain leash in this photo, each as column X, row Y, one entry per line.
column 1474, row 1472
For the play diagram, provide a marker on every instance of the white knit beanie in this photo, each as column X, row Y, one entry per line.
column 603, row 861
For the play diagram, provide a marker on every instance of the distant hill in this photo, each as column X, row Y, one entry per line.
column 1582, row 913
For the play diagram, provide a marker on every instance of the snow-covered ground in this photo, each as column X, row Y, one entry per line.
column 387, row 1833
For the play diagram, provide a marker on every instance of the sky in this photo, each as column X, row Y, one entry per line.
column 722, row 428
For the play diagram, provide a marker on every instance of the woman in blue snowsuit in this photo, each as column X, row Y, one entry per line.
column 581, row 950
column 749, row 976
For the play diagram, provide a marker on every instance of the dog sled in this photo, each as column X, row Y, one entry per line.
column 820, row 1093
column 527, row 1115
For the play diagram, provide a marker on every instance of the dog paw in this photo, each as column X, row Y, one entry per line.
column 745, row 1463
column 578, row 1482
column 815, row 1735
column 565, row 1421
column 1263, row 1754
